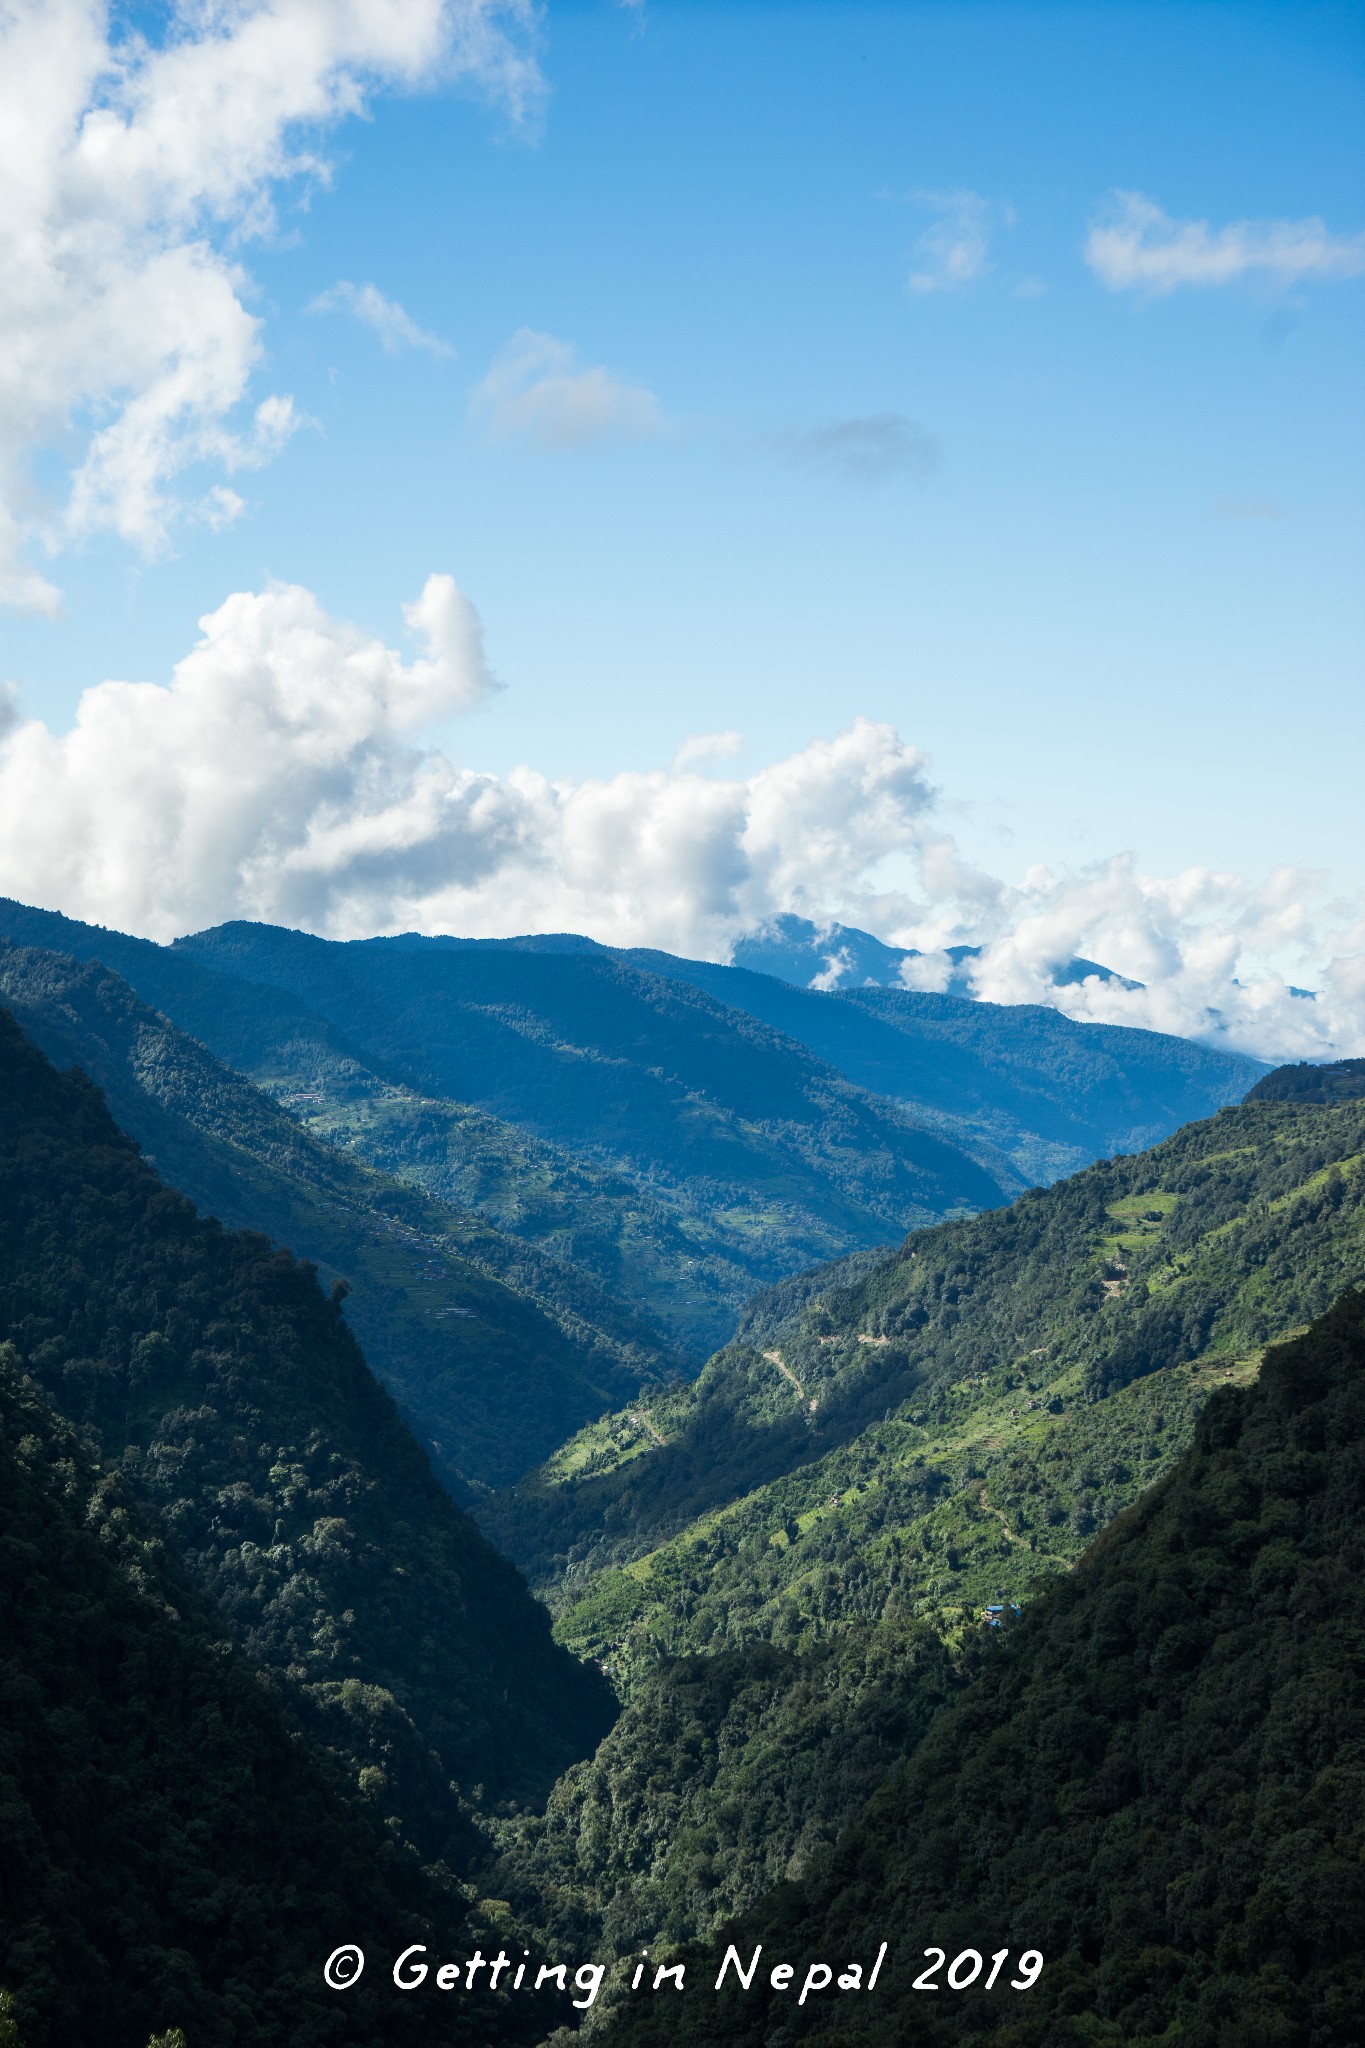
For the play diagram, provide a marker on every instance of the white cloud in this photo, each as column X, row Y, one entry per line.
column 385, row 317
column 1141, row 248
column 131, row 176
column 1214, row 952
column 955, row 250
column 536, row 389
column 282, row 774
column 699, row 747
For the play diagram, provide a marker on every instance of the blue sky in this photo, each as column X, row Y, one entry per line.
column 1093, row 544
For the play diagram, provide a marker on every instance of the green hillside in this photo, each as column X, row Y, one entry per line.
column 175, row 1855
column 959, row 1421
column 1155, row 1781
column 492, row 1350
column 786, row 1596
column 212, row 1372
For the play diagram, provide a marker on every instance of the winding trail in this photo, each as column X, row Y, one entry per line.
column 786, row 1371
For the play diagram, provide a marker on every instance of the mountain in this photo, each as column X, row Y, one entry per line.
column 678, row 1133
column 788, row 1596
column 962, row 1417
column 1029, row 1092
column 441, row 1302
column 210, row 1371
column 175, row 1852
column 595, row 1054
column 1153, row 1786
column 1019, row 1086
column 681, row 1151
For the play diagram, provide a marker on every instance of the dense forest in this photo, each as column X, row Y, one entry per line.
column 211, row 1371
column 1154, row 1780
column 176, row 1855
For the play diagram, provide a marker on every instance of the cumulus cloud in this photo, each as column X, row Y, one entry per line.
column 132, row 176
column 385, row 317
column 536, row 389
column 1139, row 247
column 1212, row 952
column 877, row 448
column 282, row 773
column 955, row 249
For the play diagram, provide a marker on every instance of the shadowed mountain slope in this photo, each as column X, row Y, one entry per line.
column 175, row 1854
column 210, row 1369
column 493, row 1376
column 1156, row 1781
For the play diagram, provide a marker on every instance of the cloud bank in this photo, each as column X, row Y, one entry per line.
column 281, row 774
column 132, row 176
column 1140, row 248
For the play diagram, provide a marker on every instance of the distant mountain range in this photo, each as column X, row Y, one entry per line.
column 439, row 1298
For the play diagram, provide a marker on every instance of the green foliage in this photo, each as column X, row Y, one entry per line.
column 173, row 1849
column 724, row 1776
column 1156, row 1777
column 210, row 1373
column 941, row 1426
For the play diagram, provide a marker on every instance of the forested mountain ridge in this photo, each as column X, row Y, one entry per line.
column 590, row 1052
column 493, row 1375
column 579, row 1126
column 1022, row 1086
column 175, row 1852
column 1340, row 1081
column 684, row 1131
column 963, row 1417
column 1156, row 1780
column 211, row 1371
